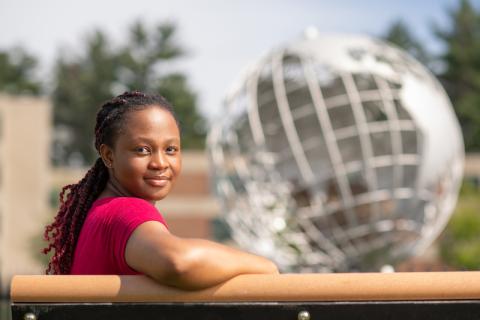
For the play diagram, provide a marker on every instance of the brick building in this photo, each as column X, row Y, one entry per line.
column 24, row 182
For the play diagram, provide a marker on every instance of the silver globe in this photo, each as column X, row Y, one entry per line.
column 336, row 153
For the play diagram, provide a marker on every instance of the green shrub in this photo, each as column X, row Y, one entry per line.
column 460, row 243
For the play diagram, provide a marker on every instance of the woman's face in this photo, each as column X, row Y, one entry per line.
column 145, row 159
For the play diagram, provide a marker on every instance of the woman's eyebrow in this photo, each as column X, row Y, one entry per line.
column 176, row 140
column 151, row 140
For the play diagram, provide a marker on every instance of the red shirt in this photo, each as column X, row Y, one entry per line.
column 110, row 222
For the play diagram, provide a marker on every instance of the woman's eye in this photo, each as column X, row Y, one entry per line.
column 142, row 150
column 171, row 150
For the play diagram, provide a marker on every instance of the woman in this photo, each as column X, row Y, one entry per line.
column 107, row 222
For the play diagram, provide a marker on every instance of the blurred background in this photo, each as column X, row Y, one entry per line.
column 60, row 60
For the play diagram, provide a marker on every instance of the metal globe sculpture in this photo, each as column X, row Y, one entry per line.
column 336, row 153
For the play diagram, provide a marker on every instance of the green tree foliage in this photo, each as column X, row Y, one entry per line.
column 17, row 69
column 461, row 76
column 102, row 71
column 82, row 84
column 460, row 243
column 399, row 34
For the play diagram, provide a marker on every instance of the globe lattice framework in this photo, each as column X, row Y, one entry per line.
column 336, row 154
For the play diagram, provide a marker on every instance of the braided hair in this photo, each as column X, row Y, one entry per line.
column 76, row 199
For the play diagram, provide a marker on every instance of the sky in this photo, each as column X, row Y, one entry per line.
column 221, row 37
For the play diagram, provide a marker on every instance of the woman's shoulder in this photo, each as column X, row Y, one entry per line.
column 122, row 212
column 122, row 206
column 121, row 202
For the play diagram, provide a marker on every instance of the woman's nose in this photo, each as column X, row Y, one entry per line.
column 158, row 161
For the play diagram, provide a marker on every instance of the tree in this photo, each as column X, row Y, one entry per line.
column 81, row 86
column 400, row 35
column 17, row 68
column 102, row 71
column 460, row 242
column 461, row 76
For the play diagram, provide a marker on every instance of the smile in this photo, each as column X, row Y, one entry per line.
column 160, row 181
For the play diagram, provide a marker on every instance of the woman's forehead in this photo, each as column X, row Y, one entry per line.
column 150, row 118
column 150, row 122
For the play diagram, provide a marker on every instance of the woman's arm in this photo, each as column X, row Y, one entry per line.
column 188, row 263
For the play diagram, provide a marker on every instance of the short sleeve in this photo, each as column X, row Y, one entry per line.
column 129, row 214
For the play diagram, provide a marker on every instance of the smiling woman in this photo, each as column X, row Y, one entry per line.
column 107, row 222
column 145, row 159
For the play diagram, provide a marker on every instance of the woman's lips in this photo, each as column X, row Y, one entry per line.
column 157, row 181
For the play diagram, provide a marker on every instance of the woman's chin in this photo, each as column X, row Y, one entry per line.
column 156, row 197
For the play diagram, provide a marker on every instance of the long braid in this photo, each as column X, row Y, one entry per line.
column 65, row 229
column 76, row 199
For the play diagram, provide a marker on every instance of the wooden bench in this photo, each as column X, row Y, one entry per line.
column 433, row 295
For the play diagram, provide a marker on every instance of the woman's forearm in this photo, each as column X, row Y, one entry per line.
column 188, row 263
column 203, row 263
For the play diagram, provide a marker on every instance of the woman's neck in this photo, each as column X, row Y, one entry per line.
column 114, row 189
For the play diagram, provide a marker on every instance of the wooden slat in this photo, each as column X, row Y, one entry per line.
column 285, row 287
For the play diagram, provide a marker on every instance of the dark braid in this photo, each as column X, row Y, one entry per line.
column 76, row 199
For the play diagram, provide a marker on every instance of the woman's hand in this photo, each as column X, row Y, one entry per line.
column 188, row 263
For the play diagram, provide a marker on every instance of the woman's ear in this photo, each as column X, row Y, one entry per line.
column 107, row 155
